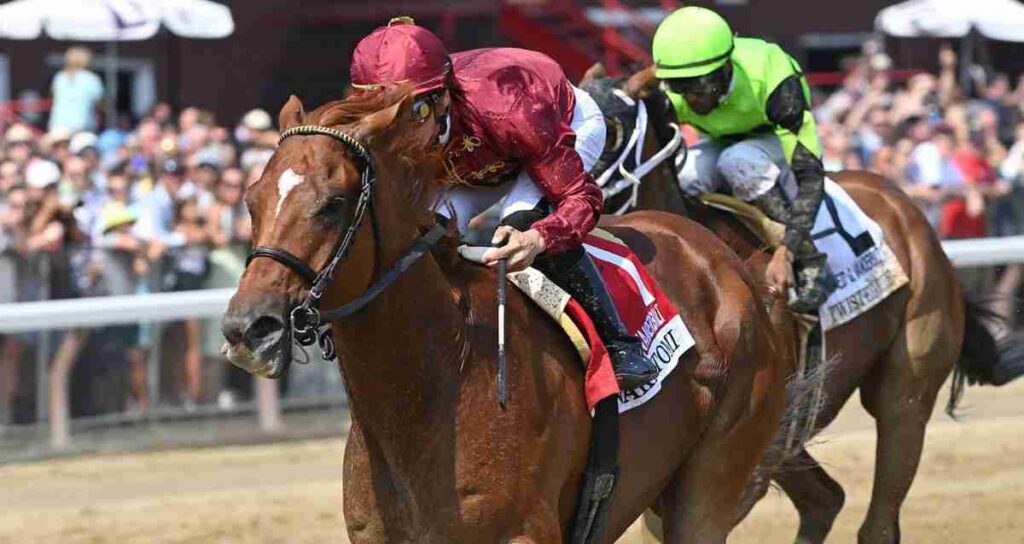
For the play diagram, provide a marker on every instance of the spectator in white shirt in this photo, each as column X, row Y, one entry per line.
column 76, row 93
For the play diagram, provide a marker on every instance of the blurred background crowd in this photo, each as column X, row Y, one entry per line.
column 149, row 205
column 959, row 155
column 154, row 204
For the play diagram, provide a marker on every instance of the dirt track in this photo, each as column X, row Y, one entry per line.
column 970, row 489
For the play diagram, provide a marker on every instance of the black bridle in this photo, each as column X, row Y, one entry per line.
column 306, row 318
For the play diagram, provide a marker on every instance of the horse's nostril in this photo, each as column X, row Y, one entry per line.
column 261, row 328
column 233, row 328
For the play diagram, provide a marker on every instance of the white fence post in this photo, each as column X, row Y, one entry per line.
column 268, row 405
column 60, row 369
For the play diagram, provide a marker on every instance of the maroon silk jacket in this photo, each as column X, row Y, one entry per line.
column 511, row 112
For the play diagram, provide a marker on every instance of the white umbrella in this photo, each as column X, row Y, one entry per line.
column 995, row 19
column 112, row 21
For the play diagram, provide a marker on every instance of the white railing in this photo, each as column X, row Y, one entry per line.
column 87, row 313
column 119, row 310
column 985, row 251
column 90, row 313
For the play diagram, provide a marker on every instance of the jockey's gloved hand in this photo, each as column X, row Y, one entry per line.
column 520, row 248
column 779, row 273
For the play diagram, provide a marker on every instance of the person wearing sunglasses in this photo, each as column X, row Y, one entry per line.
column 751, row 102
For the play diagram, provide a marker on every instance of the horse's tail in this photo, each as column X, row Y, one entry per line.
column 983, row 359
column 805, row 400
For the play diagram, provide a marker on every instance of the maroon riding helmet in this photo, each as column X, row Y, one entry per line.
column 401, row 52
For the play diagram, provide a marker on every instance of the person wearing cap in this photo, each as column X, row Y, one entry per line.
column 751, row 101
column 257, row 132
column 19, row 142
column 156, row 208
column 41, row 180
column 55, row 143
column 514, row 130
column 82, row 143
column 42, row 174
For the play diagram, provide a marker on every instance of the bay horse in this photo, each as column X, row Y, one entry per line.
column 430, row 456
column 898, row 354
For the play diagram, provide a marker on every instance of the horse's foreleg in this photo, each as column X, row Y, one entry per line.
column 365, row 519
column 815, row 494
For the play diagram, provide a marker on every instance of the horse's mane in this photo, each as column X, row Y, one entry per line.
column 358, row 105
column 421, row 176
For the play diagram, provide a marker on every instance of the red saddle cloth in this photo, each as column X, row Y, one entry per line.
column 645, row 311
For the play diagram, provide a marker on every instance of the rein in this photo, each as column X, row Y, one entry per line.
column 306, row 319
column 635, row 145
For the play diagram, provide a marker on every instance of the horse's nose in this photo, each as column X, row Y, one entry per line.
column 233, row 326
column 263, row 330
column 254, row 331
column 255, row 342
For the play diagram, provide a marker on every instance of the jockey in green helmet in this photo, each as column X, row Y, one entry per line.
column 750, row 101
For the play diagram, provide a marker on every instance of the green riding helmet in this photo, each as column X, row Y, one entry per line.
column 691, row 42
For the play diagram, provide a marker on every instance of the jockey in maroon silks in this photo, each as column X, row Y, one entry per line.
column 517, row 132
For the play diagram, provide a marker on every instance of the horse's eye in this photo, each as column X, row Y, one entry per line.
column 335, row 205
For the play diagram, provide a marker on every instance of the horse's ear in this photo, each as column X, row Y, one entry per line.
column 597, row 71
column 377, row 123
column 291, row 114
column 640, row 84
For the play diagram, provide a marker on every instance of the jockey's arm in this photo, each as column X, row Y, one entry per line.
column 559, row 174
column 545, row 146
column 788, row 110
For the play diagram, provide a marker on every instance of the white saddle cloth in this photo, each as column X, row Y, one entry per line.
column 864, row 266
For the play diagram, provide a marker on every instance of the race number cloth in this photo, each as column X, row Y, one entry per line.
column 644, row 309
column 865, row 268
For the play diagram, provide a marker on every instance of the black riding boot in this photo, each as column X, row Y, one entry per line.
column 584, row 283
column 813, row 280
column 814, row 283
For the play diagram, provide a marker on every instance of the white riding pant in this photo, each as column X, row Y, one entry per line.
column 522, row 193
column 747, row 169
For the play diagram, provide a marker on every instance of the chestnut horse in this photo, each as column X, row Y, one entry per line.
column 898, row 353
column 430, row 456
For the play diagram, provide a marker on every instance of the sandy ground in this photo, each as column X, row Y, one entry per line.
column 970, row 489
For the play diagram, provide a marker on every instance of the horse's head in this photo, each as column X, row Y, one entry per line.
column 313, row 211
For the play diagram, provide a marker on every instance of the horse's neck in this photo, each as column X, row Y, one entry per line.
column 659, row 190
column 400, row 357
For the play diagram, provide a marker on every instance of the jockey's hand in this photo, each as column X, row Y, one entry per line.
column 521, row 248
column 780, row 271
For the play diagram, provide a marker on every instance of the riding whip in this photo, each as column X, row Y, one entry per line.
column 502, row 272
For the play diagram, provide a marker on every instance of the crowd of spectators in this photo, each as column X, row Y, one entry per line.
column 145, row 207
column 954, row 143
column 958, row 154
column 156, row 205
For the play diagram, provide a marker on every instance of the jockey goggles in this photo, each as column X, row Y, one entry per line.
column 714, row 84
